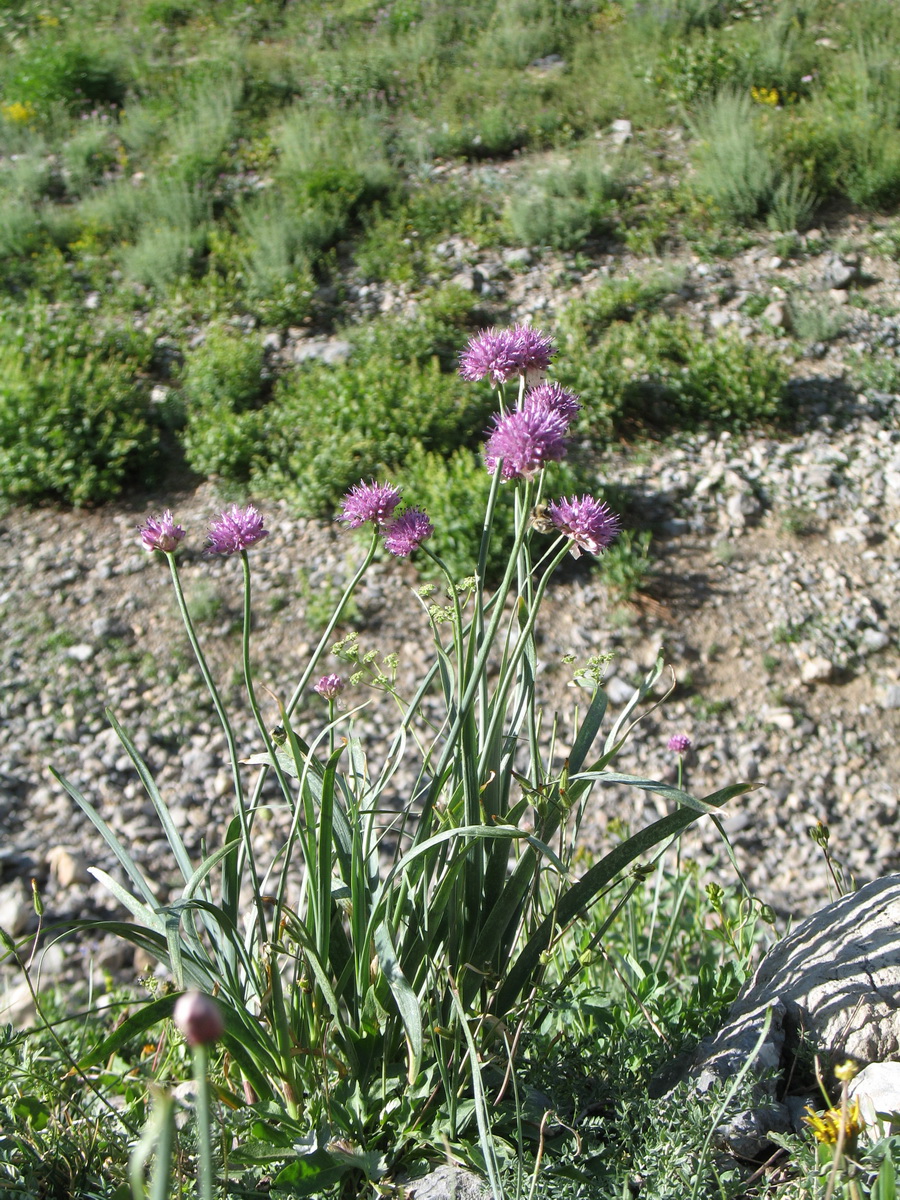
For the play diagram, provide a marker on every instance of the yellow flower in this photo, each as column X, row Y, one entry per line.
column 18, row 112
column 764, row 95
column 827, row 1126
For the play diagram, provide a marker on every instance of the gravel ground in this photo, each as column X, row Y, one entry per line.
column 774, row 599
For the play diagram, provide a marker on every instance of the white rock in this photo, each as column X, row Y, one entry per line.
column 817, row 670
column 67, row 866
column 877, row 1087
column 81, row 652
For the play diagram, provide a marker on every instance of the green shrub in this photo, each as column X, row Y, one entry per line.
column 87, row 156
column 202, row 127
column 173, row 221
column 223, row 388
column 52, row 71
column 328, row 427
column 659, row 373
column 454, row 491
column 874, row 179
column 397, row 241
column 74, row 428
column 793, row 203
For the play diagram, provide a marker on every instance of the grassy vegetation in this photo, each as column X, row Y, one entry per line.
column 227, row 166
column 618, row 1001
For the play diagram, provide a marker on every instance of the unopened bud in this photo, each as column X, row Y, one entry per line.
column 199, row 1018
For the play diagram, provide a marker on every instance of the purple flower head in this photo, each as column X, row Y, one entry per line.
column 236, row 529
column 161, row 533
column 199, row 1018
column 533, row 349
column 525, row 439
column 550, row 397
column 680, row 743
column 373, row 502
column 502, row 353
column 329, row 687
column 408, row 532
column 589, row 523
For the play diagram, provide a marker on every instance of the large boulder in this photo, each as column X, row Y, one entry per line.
column 833, row 984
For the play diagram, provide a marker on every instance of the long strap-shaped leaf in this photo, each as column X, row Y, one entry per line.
column 583, row 892
column 173, row 837
column 405, row 997
column 125, row 859
column 650, row 785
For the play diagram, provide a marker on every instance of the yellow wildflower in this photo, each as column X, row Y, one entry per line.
column 826, row 1126
column 18, row 112
column 764, row 95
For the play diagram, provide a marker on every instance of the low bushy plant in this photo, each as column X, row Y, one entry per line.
column 76, row 422
column 735, row 167
column 328, row 426
column 61, row 70
column 660, row 373
column 223, row 389
column 77, row 429
column 619, row 300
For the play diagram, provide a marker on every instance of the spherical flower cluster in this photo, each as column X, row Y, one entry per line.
column 500, row 354
column 161, row 533
column 590, row 524
column 235, row 530
column 199, row 1018
column 408, row 532
column 680, row 743
column 329, row 687
column 525, row 439
column 551, row 397
column 373, row 502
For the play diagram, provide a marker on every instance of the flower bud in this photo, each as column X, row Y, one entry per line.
column 199, row 1018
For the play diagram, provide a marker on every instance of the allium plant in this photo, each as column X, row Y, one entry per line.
column 362, row 991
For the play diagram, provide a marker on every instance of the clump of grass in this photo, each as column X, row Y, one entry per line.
column 734, row 165
column 565, row 202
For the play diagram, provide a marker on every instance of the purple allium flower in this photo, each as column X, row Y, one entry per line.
column 589, row 523
column 680, row 743
column 533, row 349
column 369, row 502
column 550, row 397
column 235, row 530
column 408, row 532
column 525, row 439
column 199, row 1018
column 329, row 687
column 502, row 353
column 161, row 533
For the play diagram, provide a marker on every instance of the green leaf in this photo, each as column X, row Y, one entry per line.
column 172, row 835
column 407, row 1001
column 125, row 859
column 309, row 1174
column 580, row 895
column 141, row 912
column 590, row 727
column 134, row 1026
